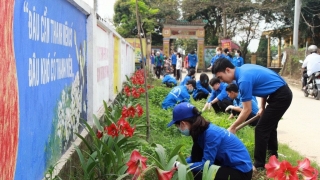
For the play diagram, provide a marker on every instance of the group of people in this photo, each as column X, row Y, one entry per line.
column 233, row 90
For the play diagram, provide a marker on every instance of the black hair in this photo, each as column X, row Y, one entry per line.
column 198, row 123
column 193, row 82
column 214, row 81
column 204, row 80
column 232, row 88
column 179, row 55
column 192, row 72
column 226, row 50
column 221, row 65
column 239, row 52
column 192, row 52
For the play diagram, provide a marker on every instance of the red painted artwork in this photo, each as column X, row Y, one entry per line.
column 9, row 115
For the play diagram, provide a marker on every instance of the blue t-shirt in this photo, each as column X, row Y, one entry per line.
column 221, row 145
column 185, row 80
column 152, row 59
column 177, row 95
column 200, row 88
column 214, row 58
column 169, row 79
column 237, row 61
column 192, row 60
column 255, row 80
column 254, row 104
column 174, row 59
column 220, row 93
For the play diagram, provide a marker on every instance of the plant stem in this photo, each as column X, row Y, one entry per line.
column 145, row 73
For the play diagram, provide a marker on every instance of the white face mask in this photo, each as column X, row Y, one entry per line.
column 236, row 54
column 218, row 52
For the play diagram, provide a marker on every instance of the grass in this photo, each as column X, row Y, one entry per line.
column 171, row 137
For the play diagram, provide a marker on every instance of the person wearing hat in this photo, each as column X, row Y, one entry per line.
column 179, row 94
column 169, row 81
column 213, row 143
column 255, row 80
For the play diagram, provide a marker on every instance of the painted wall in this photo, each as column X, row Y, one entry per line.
column 44, row 79
column 135, row 42
column 208, row 55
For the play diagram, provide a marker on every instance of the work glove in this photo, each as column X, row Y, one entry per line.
column 176, row 164
column 230, row 107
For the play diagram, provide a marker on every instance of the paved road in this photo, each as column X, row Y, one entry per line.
column 300, row 126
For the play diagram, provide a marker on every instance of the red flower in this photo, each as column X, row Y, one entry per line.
column 99, row 134
column 139, row 110
column 165, row 175
column 122, row 122
column 136, row 164
column 125, row 112
column 272, row 167
column 141, row 90
column 306, row 170
column 113, row 130
column 127, row 131
column 126, row 89
column 131, row 111
column 135, row 93
column 286, row 171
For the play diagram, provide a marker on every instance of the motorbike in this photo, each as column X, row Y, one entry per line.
column 313, row 85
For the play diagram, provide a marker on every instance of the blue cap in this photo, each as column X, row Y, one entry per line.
column 181, row 111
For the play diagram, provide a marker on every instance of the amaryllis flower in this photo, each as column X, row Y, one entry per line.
column 306, row 170
column 128, row 94
column 122, row 122
column 286, row 171
column 165, row 175
column 135, row 93
column 131, row 111
column 139, row 110
column 141, row 90
column 125, row 112
column 112, row 130
column 99, row 134
column 136, row 164
column 126, row 89
column 127, row 130
column 272, row 167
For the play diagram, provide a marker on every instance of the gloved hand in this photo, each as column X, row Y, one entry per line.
column 176, row 164
column 230, row 107
column 207, row 106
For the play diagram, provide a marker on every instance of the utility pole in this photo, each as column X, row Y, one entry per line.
column 297, row 10
column 224, row 18
column 145, row 72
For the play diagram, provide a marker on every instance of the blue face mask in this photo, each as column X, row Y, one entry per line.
column 190, row 91
column 185, row 132
column 205, row 81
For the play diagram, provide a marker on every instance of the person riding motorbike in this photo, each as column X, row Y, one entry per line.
column 311, row 64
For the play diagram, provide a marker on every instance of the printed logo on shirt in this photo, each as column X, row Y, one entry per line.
column 176, row 92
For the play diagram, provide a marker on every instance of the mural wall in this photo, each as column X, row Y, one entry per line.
column 208, row 55
column 43, row 81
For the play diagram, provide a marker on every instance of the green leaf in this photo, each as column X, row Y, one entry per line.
column 85, row 142
column 171, row 162
column 97, row 123
column 122, row 176
column 175, row 151
column 162, row 157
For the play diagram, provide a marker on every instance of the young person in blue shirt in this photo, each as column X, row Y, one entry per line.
column 159, row 62
column 169, row 80
column 211, row 143
column 190, row 75
column 227, row 54
column 218, row 99
column 179, row 94
column 192, row 60
column 236, row 108
column 237, row 61
column 174, row 62
column 255, row 80
column 203, row 89
column 214, row 58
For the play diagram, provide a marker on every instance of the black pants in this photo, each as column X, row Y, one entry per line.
column 192, row 68
column 201, row 95
column 266, row 129
column 170, row 85
column 226, row 173
column 220, row 106
column 305, row 78
column 251, row 115
column 174, row 70
column 158, row 71
column 178, row 74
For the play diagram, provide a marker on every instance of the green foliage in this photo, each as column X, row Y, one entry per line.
column 157, row 95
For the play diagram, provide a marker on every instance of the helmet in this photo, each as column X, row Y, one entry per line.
column 312, row 48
